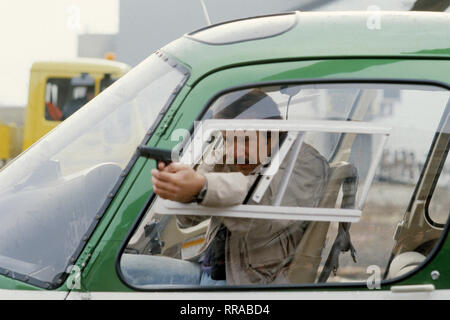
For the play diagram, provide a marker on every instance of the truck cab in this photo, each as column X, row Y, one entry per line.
column 58, row 89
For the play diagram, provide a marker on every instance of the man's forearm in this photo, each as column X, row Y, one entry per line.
column 226, row 188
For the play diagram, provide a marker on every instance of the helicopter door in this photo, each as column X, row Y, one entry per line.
column 372, row 133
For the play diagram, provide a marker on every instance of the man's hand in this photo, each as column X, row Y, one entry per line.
column 177, row 182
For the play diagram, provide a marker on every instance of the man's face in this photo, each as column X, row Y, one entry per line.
column 245, row 149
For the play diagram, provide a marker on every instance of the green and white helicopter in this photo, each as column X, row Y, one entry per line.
column 374, row 102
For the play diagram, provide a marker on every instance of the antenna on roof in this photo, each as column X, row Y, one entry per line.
column 205, row 12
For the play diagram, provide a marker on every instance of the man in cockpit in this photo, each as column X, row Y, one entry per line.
column 245, row 250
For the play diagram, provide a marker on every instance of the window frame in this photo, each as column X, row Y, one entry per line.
column 444, row 125
column 279, row 212
column 384, row 283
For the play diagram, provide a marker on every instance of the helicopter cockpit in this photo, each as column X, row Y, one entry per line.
column 362, row 131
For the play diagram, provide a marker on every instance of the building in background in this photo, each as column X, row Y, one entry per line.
column 96, row 45
column 147, row 25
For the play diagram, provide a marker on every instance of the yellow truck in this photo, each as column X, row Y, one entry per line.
column 57, row 89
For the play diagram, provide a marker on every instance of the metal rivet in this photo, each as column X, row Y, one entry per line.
column 435, row 275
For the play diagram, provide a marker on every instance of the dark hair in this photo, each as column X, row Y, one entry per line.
column 255, row 104
column 242, row 108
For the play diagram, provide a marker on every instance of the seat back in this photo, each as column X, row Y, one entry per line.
column 405, row 262
column 308, row 255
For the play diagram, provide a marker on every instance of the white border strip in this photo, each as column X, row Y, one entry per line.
column 32, row 295
column 316, row 294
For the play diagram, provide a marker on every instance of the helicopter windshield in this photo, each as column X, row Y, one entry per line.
column 50, row 195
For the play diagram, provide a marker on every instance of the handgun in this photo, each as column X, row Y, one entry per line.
column 157, row 154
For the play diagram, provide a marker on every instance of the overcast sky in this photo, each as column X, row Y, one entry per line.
column 45, row 30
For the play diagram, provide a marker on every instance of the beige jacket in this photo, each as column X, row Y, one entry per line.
column 257, row 250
